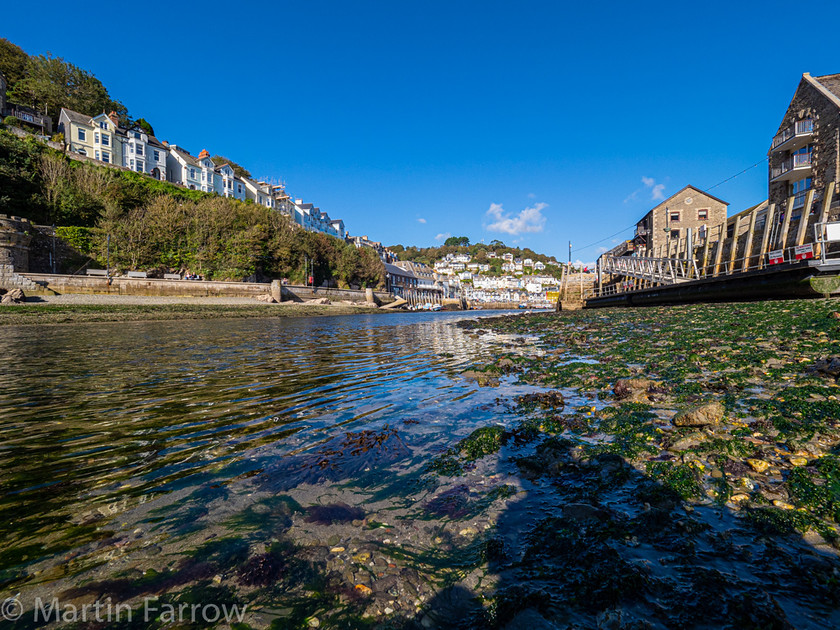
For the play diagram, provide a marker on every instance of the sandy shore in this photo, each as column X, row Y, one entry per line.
column 101, row 308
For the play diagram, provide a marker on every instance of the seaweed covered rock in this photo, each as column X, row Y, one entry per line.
column 710, row 413
column 635, row 389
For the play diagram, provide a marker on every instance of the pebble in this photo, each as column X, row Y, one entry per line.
column 739, row 498
column 783, row 505
column 798, row 461
column 361, row 557
column 364, row 590
column 468, row 531
column 388, row 611
column 314, row 622
column 758, row 465
column 336, row 549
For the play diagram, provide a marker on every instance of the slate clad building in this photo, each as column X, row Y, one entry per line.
column 805, row 152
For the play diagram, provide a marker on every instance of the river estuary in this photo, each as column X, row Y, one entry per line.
column 624, row 468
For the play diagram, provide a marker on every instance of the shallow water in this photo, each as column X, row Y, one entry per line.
column 108, row 430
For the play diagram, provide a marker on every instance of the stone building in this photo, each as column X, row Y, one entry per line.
column 689, row 208
column 805, row 152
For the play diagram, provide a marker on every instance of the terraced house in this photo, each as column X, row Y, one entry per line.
column 804, row 155
column 98, row 137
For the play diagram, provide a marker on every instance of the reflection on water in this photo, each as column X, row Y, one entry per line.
column 99, row 419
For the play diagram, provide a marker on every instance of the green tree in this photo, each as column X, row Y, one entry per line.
column 12, row 62
column 145, row 126
column 457, row 241
column 52, row 83
column 240, row 171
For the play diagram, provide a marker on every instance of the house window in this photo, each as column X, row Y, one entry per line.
column 702, row 215
column 96, row 137
column 82, row 152
column 105, row 140
column 137, row 135
column 139, row 149
column 156, row 155
column 82, row 135
column 103, row 124
column 192, row 173
column 674, row 215
column 139, row 166
column 106, row 157
column 96, row 154
column 675, row 233
column 131, row 164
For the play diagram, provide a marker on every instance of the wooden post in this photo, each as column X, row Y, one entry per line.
column 786, row 225
column 734, row 247
column 706, row 250
column 828, row 194
column 748, row 245
column 719, row 249
column 803, row 220
column 765, row 236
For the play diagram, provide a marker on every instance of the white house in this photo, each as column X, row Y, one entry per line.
column 143, row 153
column 539, row 266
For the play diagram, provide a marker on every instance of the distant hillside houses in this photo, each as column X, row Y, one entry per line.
column 103, row 139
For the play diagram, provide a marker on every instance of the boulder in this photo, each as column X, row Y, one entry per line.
column 322, row 300
column 268, row 299
column 709, row 413
column 14, row 296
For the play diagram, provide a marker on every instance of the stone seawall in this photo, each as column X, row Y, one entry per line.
column 147, row 286
column 191, row 288
column 302, row 293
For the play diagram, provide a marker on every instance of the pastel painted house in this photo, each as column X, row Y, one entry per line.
column 184, row 169
column 143, row 153
column 97, row 137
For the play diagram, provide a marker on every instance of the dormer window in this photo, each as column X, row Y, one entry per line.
column 103, row 124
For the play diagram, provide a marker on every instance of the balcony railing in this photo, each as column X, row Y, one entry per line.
column 799, row 160
column 800, row 128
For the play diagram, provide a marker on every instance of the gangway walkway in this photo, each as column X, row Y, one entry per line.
column 655, row 270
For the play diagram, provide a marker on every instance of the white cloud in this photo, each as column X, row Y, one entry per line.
column 421, row 220
column 602, row 250
column 531, row 196
column 656, row 190
column 443, row 236
column 529, row 220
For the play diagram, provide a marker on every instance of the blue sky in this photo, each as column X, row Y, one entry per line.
column 532, row 122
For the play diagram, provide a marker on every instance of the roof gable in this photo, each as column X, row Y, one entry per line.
column 696, row 190
column 828, row 85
